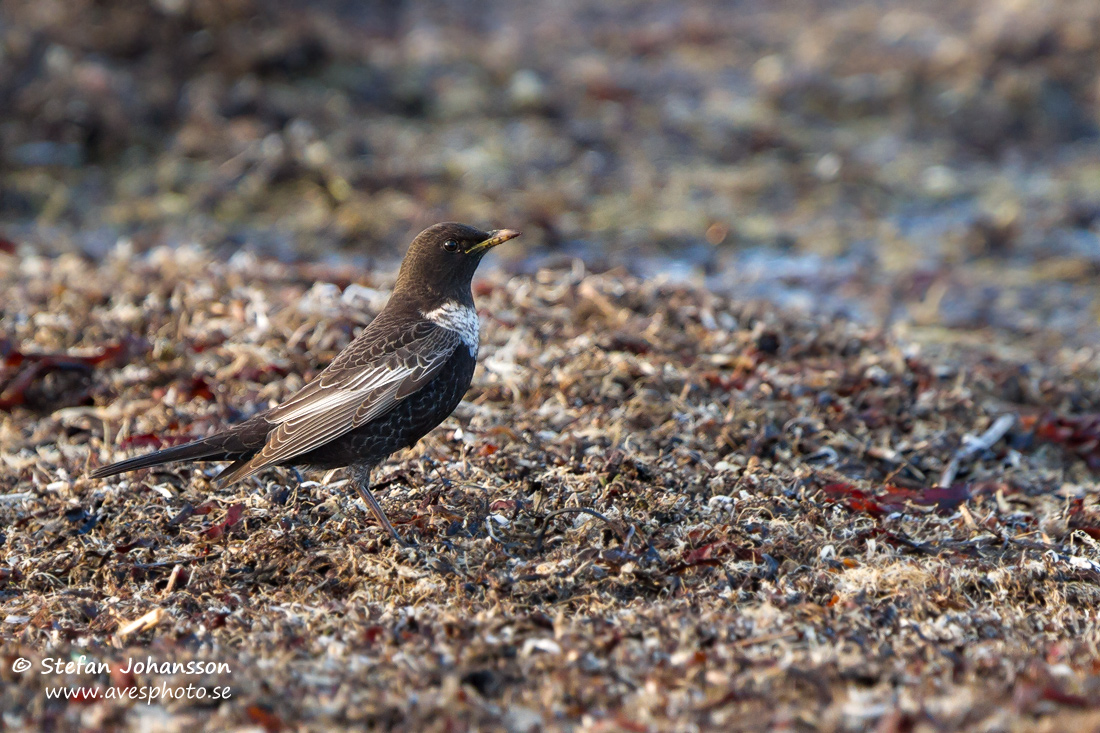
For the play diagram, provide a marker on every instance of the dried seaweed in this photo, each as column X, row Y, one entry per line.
column 721, row 529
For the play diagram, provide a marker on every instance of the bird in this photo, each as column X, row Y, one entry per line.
column 400, row 378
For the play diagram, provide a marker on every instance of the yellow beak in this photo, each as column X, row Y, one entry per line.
column 500, row 236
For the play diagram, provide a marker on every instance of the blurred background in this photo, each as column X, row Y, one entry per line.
column 927, row 162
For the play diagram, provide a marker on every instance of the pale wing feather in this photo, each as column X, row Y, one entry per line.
column 337, row 403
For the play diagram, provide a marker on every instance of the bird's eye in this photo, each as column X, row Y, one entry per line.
column 450, row 245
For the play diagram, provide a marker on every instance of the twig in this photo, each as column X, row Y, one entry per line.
column 973, row 446
column 507, row 546
column 177, row 571
column 144, row 623
column 567, row 510
column 765, row 639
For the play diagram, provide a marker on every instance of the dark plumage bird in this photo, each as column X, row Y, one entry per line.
column 400, row 378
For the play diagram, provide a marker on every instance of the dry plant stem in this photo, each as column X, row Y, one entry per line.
column 567, row 510
column 507, row 546
column 971, row 448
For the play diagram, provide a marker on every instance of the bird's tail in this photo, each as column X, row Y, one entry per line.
column 204, row 449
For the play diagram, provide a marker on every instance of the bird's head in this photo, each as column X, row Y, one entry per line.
column 441, row 261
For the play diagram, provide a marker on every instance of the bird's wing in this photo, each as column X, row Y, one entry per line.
column 365, row 381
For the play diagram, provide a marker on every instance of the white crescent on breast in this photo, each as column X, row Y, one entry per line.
column 462, row 319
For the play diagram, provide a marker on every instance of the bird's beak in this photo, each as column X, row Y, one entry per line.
column 499, row 236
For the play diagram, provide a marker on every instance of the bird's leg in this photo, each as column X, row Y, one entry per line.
column 362, row 485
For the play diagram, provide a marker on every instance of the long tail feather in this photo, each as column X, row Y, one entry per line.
column 199, row 449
